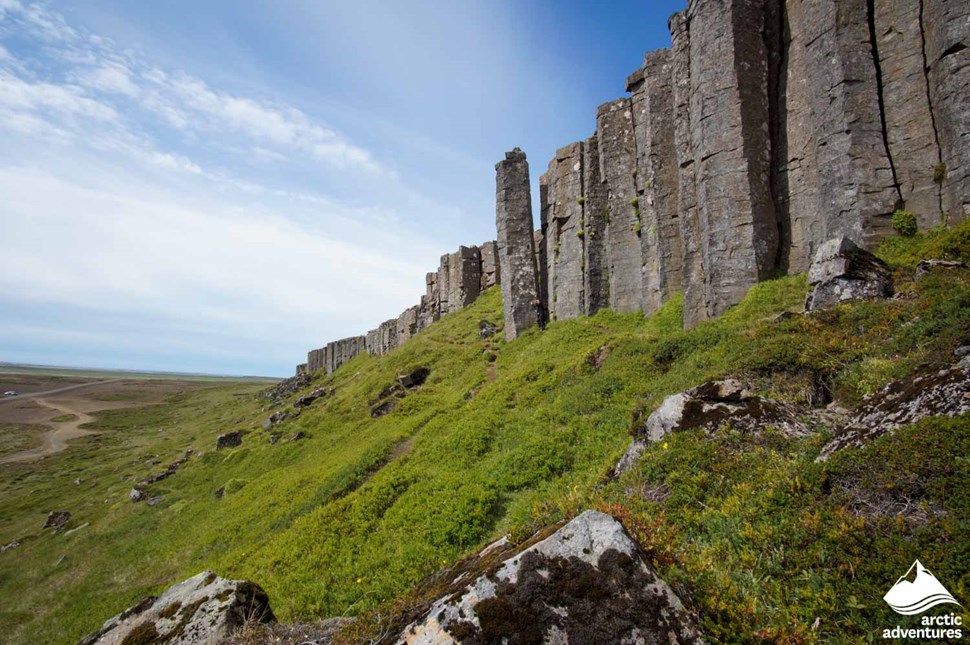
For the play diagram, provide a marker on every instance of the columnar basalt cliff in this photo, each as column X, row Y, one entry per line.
column 459, row 280
column 766, row 129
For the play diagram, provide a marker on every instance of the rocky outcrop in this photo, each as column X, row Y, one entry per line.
column 201, row 610
column 516, row 247
column 903, row 402
column 57, row 519
column 926, row 267
column 229, row 440
column 843, row 272
column 710, row 407
column 586, row 583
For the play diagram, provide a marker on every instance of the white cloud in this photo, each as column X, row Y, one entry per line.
column 98, row 71
column 65, row 100
column 111, row 76
column 214, row 263
column 283, row 126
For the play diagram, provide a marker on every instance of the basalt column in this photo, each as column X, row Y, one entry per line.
column 910, row 128
column 567, row 216
column 695, row 287
column 946, row 26
column 729, row 123
column 794, row 167
column 491, row 275
column 857, row 187
column 656, row 179
column 617, row 148
column 464, row 277
column 596, row 271
column 546, row 243
column 407, row 324
column 516, row 247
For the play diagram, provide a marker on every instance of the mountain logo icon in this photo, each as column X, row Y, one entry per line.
column 925, row 591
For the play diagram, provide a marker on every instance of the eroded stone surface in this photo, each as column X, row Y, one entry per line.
column 202, row 610
column 903, row 402
column 586, row 583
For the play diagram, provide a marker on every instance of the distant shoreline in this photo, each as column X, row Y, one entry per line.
column 55, row 370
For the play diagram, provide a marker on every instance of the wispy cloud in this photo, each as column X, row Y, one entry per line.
column 93, row 76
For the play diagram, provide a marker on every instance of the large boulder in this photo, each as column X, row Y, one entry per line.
column 586, row 583
column 204, row 609
column 842, row 272
column 903, row 402
column 709, row 407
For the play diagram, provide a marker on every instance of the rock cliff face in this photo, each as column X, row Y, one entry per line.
column 459, row 280
column 766, row 129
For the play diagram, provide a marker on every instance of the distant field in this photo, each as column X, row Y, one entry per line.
column 81, row 375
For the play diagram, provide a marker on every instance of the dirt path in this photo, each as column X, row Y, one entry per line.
column 55, row 440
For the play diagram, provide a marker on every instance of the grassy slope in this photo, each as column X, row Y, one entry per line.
column 764, row 540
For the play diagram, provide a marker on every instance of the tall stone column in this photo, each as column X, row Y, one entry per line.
column 694, row 281
column 516, row 247
column 732, row 149
column 614, row 131
column 656, row 179
column 596, row 271
column 491, row 275
column 857, row 187
column 912, row 137
column 946, row 24
column 546, row 251
column 567, row 214
column 464, row 277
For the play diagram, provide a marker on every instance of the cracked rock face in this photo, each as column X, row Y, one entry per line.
column 903, row 402
column 709, row 407
column 201, row 610
column 842, row 272
column 586, row 583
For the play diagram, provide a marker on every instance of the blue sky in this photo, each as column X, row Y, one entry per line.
column 220, row 186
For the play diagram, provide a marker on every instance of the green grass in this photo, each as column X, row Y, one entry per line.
column 506, row 437
column 15, row 437
column 64, row 418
